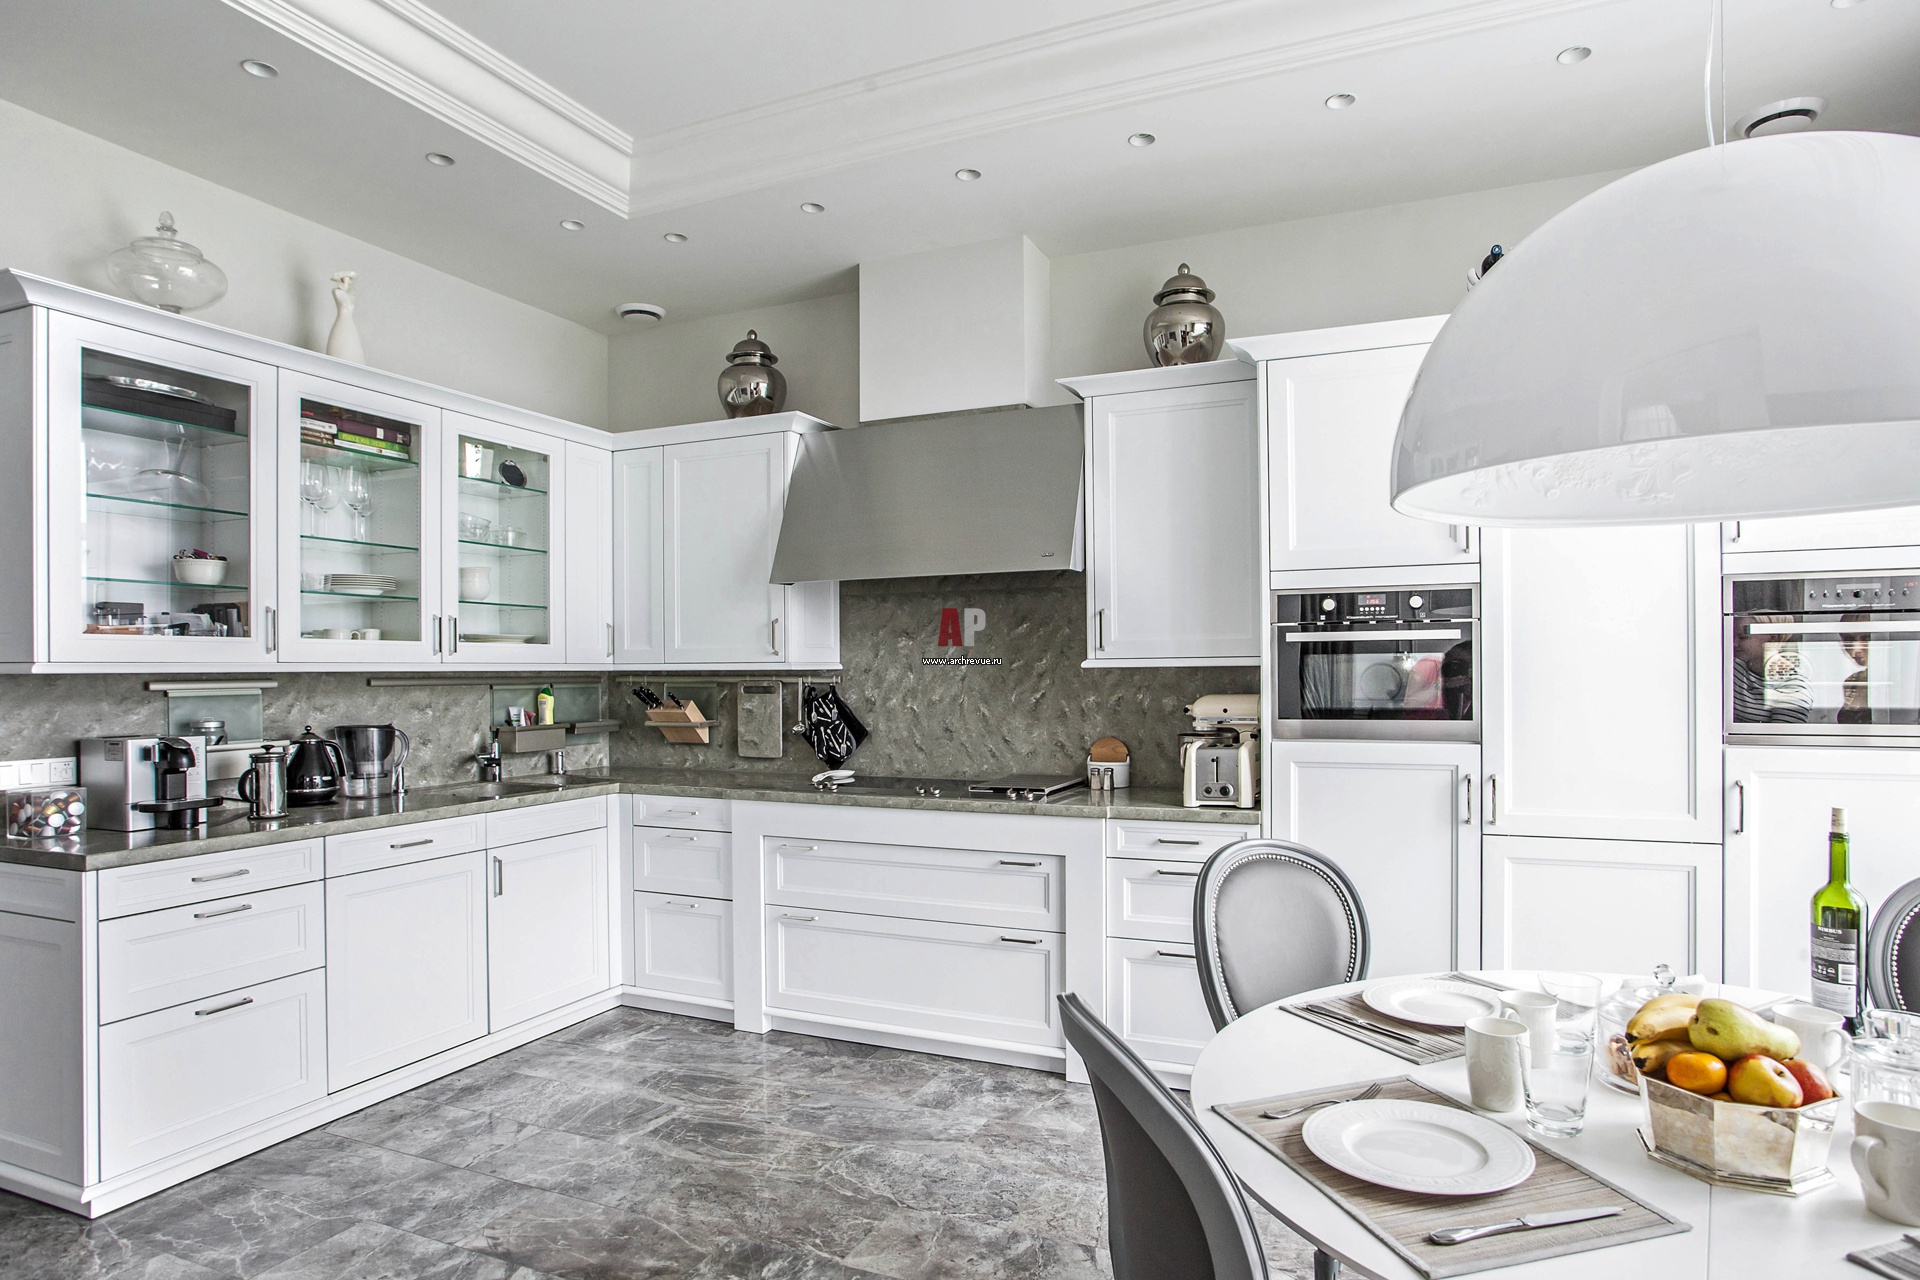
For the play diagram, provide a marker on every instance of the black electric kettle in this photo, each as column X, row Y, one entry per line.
column 314, row 769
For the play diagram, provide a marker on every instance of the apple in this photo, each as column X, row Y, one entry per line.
column 1813, row 1082
column 1760, row 1081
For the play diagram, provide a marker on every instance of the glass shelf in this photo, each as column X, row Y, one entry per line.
column 355, row 542
column 502, row 546
column 120, row 422
column 175, row 583
column 334, row 456
column 222, row 513
column 501, row 604
column 349, row 595
column 480, row 486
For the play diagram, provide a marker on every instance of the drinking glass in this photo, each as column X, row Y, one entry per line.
column 329, row 491
column 359, row 498
column 311, row 486
column 1556, row 1093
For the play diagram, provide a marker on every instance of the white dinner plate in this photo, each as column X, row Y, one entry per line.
column 1418, row 1146
column 494, row 637
column 358, row 591
column 1432, row 1002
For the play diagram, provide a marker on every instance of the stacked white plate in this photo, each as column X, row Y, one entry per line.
column 361, row 584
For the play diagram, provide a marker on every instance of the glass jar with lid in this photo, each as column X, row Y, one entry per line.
column 1614, row 1061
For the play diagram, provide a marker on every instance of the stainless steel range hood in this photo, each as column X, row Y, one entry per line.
column 975, row 493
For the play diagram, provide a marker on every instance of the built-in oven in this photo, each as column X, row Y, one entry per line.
column 1392, row 663
column 1832, row 659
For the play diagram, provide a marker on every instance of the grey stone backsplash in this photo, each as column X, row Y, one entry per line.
column 1027, row 706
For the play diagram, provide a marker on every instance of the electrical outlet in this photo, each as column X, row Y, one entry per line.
column 63, row 770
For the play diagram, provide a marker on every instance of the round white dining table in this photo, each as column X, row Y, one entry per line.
column 1736, row 1235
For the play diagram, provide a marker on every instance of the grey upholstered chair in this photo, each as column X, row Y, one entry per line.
column 1893, row 951
column 1272, row 919
column 1174, row 1209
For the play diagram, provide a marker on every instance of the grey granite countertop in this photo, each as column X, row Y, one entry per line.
column 231, row 829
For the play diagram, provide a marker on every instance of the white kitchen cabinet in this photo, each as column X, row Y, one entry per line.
column 1892, row 527
column 1779, row 802
column 640, row 557
column 503, row 576
column 1185, row 841
column 162, row 958
column 1154, row 1001
column 966, row 886
column 42, row 1045
column 686, row 862
column 1399, row 818
column 1151, row 901
column 406, row 964
column 588, row 542
column 1601, row 687
column 1173, row 520
column 547, row 942
column 683, row 946
column 1601, row 906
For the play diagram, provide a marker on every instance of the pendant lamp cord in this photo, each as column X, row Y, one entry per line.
column 1716, row 53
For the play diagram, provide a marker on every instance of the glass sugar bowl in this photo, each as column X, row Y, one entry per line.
column 1613, row 1063
column 1887, row 1069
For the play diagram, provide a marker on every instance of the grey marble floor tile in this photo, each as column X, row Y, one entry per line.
column 38, row 1242
column 369, row 1251
column 917, row 1245
column 419, row 1127
column 583, row 1168
column 755, row 1260
column 580, row 1240
column 225, row 1225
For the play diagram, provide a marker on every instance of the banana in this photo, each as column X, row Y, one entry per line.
column 1651, row 1057
column 1662, row 1018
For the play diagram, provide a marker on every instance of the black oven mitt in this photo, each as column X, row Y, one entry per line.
column 829, row 725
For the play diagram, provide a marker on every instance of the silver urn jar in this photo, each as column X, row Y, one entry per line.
column 750, row 385
column 1184, row 327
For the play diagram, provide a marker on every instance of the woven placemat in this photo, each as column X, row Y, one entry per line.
column 1402, row 1219
column 1897, row 1260
column 1407, row 1041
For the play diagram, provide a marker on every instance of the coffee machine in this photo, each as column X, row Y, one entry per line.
column 146, row 783
column 1220, row 758
column 376, row 760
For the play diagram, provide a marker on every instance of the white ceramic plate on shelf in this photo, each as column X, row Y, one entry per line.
column 493, row 637
column 1432, row 1002
column 339, row 590
column 1418, row 1146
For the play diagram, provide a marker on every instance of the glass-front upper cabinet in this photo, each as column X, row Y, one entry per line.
column 161, row 513
column 503, row 588
column 360, row 525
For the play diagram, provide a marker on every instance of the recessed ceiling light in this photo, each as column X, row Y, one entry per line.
column 572, row 224
column 644, row 311
column 1576, row 53
column 675, row 237
column 1141, row 140
column 967, row 175
column 811, row 207
column 1789, row 115
column 1340, row 101
column 255, row 67
column 439, row 158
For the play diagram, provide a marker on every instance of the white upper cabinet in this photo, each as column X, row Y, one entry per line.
column 639, row 556
column 587, row 540
column 1896, row 527
column 1601, row 662
column 502, row 492
column 1173, row 508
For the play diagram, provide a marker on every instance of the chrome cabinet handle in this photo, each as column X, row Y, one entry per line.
column 773, row 634
column 1165, row 840
column 1467, row 798
column 222, row 1008
column 453, row 633
column 226, row 911
column 1493, row 800
column 411, row 844
column 1740, row 818
column 1028, row 942
column 1177, row 955
column 1100, row 630
column 789, row 916
column 694, row 839
column 1162, row 871
column 1736, row 532
column 438, row 638
column 499, row 877
column 691, row 906
column 681, row 813
column 224, row 875
column 804, row 848
column 609, row 639
column 273, row 629
column 1016, row 862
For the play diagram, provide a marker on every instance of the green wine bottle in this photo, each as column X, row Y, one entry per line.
column 1840, row 935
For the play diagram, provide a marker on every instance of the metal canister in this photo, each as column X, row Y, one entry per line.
column 264, row 785
column 1184, row 327
column 750, row 385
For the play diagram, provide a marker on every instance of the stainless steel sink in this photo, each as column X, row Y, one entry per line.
column 480, row 791
column 538, row 784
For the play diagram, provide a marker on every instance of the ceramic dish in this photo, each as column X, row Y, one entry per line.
column 493, row 637
column 1419, row 1146
column 158, row 388
column 1432, row 1002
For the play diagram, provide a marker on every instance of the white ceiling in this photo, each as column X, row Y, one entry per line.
column 743, row 110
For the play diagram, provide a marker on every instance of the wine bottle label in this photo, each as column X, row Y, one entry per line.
column 1836, row 970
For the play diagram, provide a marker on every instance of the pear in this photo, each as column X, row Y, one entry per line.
column 1731, row 1032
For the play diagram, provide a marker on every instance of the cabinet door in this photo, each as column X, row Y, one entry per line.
column 1601, row 906
column 724, row 500
column 1154, row 1000
column 589, row 548
column 406, row 965
column 1398, row 818
column 1331, row 421
column 360, row 546
column 136, row 477
column 42, row 1047
column 546, row 926
column 1779, row 803
column 1601, row 682
column 502, row 584
column 1894, row 527
column 1174, row 510
column 639, row 556
column 684, row 946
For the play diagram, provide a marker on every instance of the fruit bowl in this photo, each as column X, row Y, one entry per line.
column 1783, row 1150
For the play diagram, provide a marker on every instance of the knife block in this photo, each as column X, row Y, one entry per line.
column 684, row 723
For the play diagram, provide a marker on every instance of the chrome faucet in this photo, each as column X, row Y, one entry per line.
column 557, row 762
column 489, row 762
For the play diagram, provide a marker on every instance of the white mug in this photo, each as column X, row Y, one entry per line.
column 1886, row 1155
column 336, row 633
column 1534, row 1010
column 365, row 633
column 1494, row 1049
column 1823, row 1040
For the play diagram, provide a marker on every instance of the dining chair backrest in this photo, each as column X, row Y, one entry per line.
column 1173, row 1206
column 1272, row 919
column 1893, row 951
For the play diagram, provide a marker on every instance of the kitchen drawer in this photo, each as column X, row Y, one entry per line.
column 683, row 945
column 1187, row 841
column 538, row 821
column 1154, row 1001
column 40, row 891
column 152, row 886
column 1152, row 900
column 695, row 862
column 413, row 842
column 988, row 983
column 196, row 1072
column 965, row 886
column 682, row 811
column 162, row 958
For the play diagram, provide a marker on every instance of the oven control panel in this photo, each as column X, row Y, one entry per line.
column 1811, row 595
column 1344, row 608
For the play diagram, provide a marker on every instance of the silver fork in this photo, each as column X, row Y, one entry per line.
column 1371, row 1091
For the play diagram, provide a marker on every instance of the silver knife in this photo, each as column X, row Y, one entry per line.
column 1330, row 1012
column 1525, row 1222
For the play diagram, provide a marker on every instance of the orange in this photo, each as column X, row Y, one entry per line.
column 1696, row 1072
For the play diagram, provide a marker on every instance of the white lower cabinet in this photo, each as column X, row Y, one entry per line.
column 683, row 946
column 699, row 863
column 546, row 942
column 1151, row 901
column 199, row 1071
column 966, row 886
column 961, row 980
column 42, row 1061
column 1154, row 1001
column 164, row 958
column 1601, row 906
column 406, row 965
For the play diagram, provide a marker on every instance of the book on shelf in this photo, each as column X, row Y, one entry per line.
column 364, row 425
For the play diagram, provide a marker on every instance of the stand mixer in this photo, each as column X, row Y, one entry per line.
column 1220, row 758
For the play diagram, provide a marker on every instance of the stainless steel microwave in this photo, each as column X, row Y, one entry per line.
column 1377, row 663
column 1832, row 659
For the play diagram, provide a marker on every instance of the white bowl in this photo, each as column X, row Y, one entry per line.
column 476, row 584
column 200, row 573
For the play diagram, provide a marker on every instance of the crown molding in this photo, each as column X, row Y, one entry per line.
column 418, row 56
column 1151, row 51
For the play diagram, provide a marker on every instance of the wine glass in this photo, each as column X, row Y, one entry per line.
column 359, row 498
column 329, row 490
column 310, row 489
